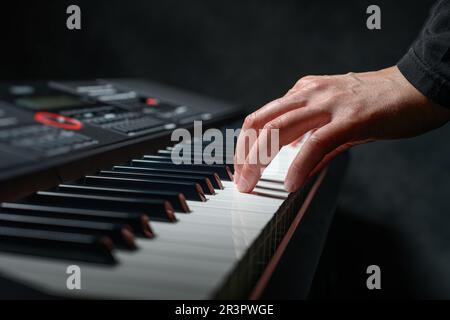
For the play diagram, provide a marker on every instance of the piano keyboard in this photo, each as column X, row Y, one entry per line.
column 149, row 229
column 86, row 179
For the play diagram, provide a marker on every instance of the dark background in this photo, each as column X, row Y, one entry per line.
column 394, row 209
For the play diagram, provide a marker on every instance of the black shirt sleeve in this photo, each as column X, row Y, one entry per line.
column 427, row 63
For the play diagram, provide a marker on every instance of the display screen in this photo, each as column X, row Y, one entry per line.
column 50, row 102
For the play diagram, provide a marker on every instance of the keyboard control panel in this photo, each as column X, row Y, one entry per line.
column 44, row 120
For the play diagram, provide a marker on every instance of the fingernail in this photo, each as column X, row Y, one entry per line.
column 243, row 185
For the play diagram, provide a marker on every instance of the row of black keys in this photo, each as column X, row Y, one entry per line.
column 87, row 218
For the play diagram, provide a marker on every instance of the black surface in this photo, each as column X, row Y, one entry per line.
column 247, row 51
column 13, row 290
column 394, row 212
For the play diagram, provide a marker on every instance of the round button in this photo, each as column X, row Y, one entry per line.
column 58, row 121
column 151, row 102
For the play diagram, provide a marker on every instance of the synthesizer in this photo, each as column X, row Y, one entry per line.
column 86, row 180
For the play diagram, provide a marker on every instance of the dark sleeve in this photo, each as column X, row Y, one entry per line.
column 427, row 63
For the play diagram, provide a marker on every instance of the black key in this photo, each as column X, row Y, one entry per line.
column 168, row 158
column 166, row 152
column 166, row 155
column 213, row 177
column 203, row 182
column 223, row 153
column 192, row 190
column 183, row 148
column 220, row 155
column 223, row 171
column 121, row 235
column 154, row 208
column 203, row 144
column 139, row 222
column 71, row 246
column 158, row 158
column 227, row 151
column 177, row 199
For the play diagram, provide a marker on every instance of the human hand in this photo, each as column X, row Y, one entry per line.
column 344, row 111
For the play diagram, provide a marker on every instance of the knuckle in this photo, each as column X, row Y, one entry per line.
column 306, row 80
column 312, row 83
column 250, row 121
column 351, row 75
column 291, row 91
column 303, row 81
column 317, row 83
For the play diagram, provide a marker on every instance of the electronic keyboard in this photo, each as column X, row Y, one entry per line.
column 87, row 180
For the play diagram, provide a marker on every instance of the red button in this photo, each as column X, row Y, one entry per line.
column 56, row 120
column 151, row 101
